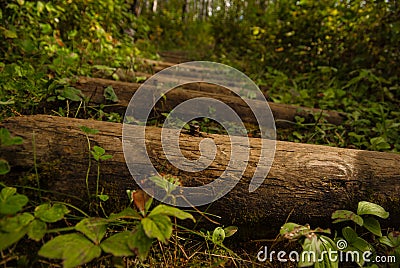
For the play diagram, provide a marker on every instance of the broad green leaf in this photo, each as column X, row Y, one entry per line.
column 392, row 239
column 230, row 230
column 372, row 225
column 89, row 130
column 365, row 207
column 126, row 213
column 94, row 228
column 349, row 234
column 48, row 213
column 117, row 244
column 74, row 249
column 10, row 202
column 218, row 235
column 4, row 167
column 140, row 243
column 36, row 230
column 346, row 215
column 158, row 226
column 109, row 94
column 16, row 223
column 362, row 245
column 8, row 239
column 171, row 211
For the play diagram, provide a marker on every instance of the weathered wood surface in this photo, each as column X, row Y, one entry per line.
column 307, row 182
column 93, row 88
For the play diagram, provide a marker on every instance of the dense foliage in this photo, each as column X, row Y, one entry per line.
column 336, row 55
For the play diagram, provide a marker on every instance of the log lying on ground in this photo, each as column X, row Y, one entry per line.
column 93, row 88
column 307, row 182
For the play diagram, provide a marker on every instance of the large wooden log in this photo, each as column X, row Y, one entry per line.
column 307, row 182
column 93, row 88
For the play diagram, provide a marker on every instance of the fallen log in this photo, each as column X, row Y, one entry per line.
column 307, row 182
column 93, row 88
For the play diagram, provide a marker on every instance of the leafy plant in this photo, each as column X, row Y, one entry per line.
column 7, row 140
column 88, row 242
column 315, row 245
column 15, row 224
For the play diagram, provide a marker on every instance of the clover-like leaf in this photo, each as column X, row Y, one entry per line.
column 94, row 228
column 118, row 244
column 74, row 249
column 48, row 213
column 158, row 226
column 37, row 229
column 140, row 243
column 11, row 202
column 171, row 211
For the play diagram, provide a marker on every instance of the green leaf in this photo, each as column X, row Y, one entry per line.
column 372, row 225
column 218, row 236
column 7, row 140
column 362, row 245
column 97, row 152
column 103, row 197
column 158, row 226
column 140, row 243
column 88, row 130
column 392, row 239
column 171, row 211
column 16, row 223
column 346, row 215
column 8, row 239
column 126, row 213
column 365, row 207
column 37, row 229
column 109, row 94
column 117, row 244
column 74, row 249
column 349, row 234
column 10, row 202
column 230, row 230
column 4, row 167
column 105, row 157
column 94, row 228
column 48, row 213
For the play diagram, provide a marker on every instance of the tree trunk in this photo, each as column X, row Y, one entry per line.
column 307, row 182
column 283, row 113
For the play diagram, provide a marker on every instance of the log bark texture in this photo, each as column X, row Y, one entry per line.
column 307, row 182
column 93, row 88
